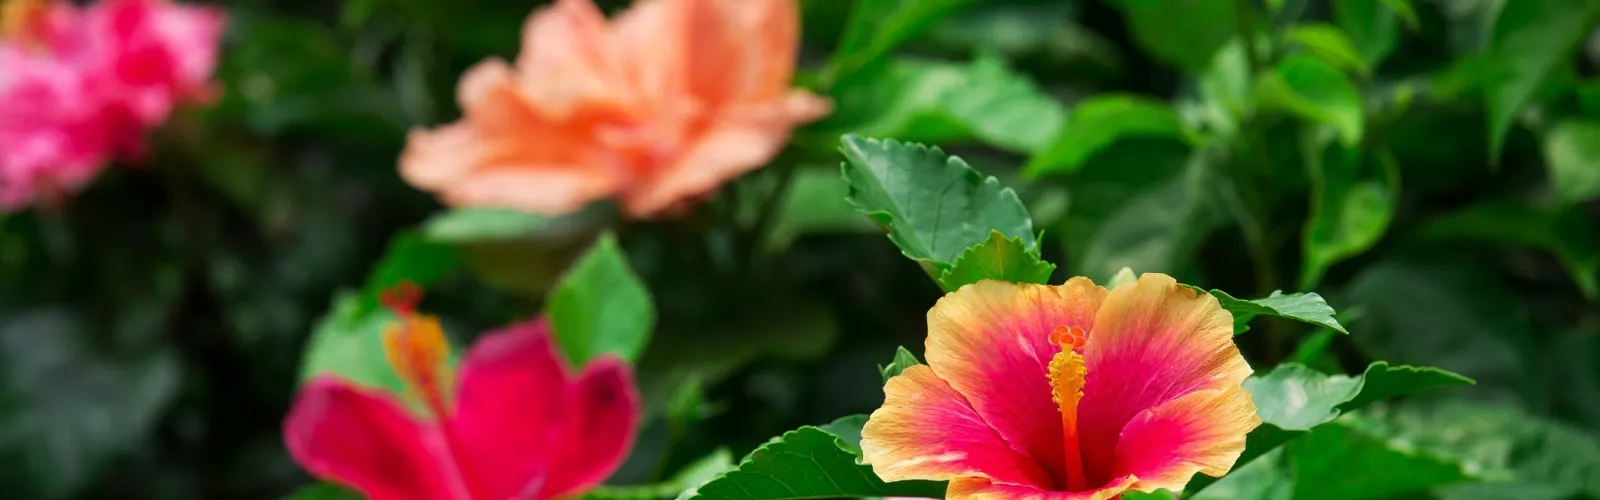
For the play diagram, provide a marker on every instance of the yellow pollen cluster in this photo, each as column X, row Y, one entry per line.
column 416, row 348
column 22, row 20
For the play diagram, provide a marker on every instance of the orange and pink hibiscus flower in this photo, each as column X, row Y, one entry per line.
column 519, row 425
column 656, row 108
column 1068, row 392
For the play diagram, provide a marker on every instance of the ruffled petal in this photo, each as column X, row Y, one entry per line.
column 599, row 420
column 528, row 429
column 508, row 411
column 744, row 139
column 982, row 489
column 1203, row 431
column 925, row 430
column 742, row 50
column 573, row 60
column 1153, row 341
column 367, row 442
column 991, row 341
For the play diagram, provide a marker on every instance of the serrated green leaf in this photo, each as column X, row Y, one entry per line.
column 1318, row 92
column 808, row 462
column 1572, row 154
column 848, row 431
column 902, row 359
column 998, row 258
column 933, row 206
column 1184, row 33
column 1522, row 456
column 1098, row 122
column 1331, row 44
column 1293, row 399
column 1350, row 209
column 1304, row 307
column 601, row 307
column 1531, row 40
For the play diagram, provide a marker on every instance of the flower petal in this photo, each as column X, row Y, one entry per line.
column 982, row 489
column 599, row 419
column 991, row 341
column 1203, row 431
column 367, row 442
column 508, row 410
column 1153, row 341
column 526, row 427
column 925, row 430
column 575, row 61
column 742, row 50
column 740, row 144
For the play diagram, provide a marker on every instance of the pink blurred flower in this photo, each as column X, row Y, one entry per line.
column 81, row 86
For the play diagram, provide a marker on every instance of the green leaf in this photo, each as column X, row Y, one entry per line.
column 808, row 462
column 323, row 491
column 1566, row 233
column 997, row 259
column 601, row 307
column 1318, row 92
column 1572, row 153
column 933, row 206
column 1322, row 467
column 695, row 474
column 1303, row 307
column 876, row 27
column 1521, row 455
column 902, row 359
column 474, row 224
column 1331, row 44
column 1142, row 205
column 1098, row 122
column 1372, row 28
column 984, row 101
column 1183, row 33
column 70, row 409
column 1531, row 40
column 1350, row 209
column 848, row 430
column 410, row 258
column 1293, row 399
column 815, row 204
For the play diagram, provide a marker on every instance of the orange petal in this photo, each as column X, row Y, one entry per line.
column 1203, row 431
column 991, row 341
column 653, row 36
column 572, row 58
column 983, row 489
column 744, row 141
column 924, row 430
column 1153, row 341
column 742, row 50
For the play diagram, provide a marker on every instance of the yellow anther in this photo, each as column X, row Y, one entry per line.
column 24, row 21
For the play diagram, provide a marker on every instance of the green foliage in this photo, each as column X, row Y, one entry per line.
column 323, row 491
column 1330, row 43
column 1305, row 307
column 696, row 473
column 809, row 462
column 933, row 206
column 601, row 307
column 1350, row 209
column 1531, row 40
column 1100, row 121
column 1572, row 150
column 877, row 27
column 997, row 258
column 1184, row 33
column 1316, row 90
column 902, row 359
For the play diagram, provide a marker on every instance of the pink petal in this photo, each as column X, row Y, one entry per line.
column 991, row 341
column 981, row 489
column 600, row 418
column 1153, row 341
column 925, row 430
column 367, row 442
column 1203, row 431
column 525, row 430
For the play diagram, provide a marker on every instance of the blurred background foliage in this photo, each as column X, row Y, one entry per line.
column 1430, row 166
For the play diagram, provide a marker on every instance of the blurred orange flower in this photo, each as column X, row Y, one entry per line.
column 661, row 105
